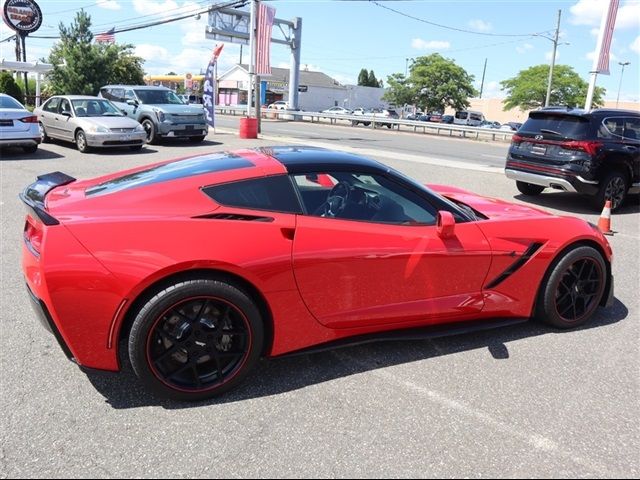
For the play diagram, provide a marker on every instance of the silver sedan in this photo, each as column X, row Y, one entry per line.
column 88, row 122
column 18, row 126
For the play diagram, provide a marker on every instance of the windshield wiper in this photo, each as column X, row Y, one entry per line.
column 552, row 132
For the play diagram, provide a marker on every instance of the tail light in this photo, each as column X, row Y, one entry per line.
column 33, row 234
column 517, row 138
column 590, row 147
column 31, row 119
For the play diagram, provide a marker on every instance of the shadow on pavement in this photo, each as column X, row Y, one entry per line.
column 18, row 154
column 576, row 203
column 280, row 375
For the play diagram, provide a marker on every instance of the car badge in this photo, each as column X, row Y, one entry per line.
column 539, row 137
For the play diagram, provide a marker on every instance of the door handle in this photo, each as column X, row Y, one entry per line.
column 630, row 148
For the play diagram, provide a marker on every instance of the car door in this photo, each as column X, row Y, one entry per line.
column 361, row 270
column 64, row 120
column 48, row 116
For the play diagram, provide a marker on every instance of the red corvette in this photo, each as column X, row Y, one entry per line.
column 206, row 263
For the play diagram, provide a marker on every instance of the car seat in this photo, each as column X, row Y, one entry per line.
column 81, row 112
column 92, row 109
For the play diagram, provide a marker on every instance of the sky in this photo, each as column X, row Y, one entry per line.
column 340, row 37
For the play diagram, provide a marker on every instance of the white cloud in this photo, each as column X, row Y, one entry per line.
column 594, row 32
column 635, row 46
column 109, row 4
column 489, row 89
column 524, row 48
column 590, row 12
column 549, row 54
column 480, row 25
column 420, row 44
column 166, row 8
column 591, row 55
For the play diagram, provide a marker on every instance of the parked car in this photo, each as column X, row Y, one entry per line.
column 596, row 153
column 375, row 113
column 160, row 111
column 196, row 308
column 88, row 122
column 435, row 117
column 337, row 111
column 490, row 124
column 18, row 126
column 511, row 126
column 447, row 119
column 470, row 118
column 279, row 105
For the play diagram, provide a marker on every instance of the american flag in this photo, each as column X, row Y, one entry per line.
column 603, row 60
column 266, row 15
column 106, row 37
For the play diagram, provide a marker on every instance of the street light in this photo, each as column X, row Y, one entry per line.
column 623, row 64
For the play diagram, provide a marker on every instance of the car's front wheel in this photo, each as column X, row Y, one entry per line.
column 573, row 288
column 81, row 142
column 150, row 128
column 529, row 188
column 196, row 339
column 43, row 133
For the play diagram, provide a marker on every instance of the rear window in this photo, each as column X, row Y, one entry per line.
column 9, row 102
column 171, row 171
column 567, row 126
column 268, row 193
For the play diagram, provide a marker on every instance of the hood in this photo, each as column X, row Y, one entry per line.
column 178, row 109
column 489, row 207
column 109, row 122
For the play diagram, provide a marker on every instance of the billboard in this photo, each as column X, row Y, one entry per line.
column 23, row 16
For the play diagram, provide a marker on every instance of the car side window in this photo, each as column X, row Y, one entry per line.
column 611, row 128
column 274, row 193
column 128, row 95
column 65, row 106
column 631, row 128
column 362, row 197
column 51, row 105
column 117, row 94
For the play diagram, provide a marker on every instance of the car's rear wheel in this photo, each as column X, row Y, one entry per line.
column 150, row 128
column 196, row 339
column 613, row 187
column 81, row 142
column 529, row 188
column 30, row 149
column 572, row 290
column 197, row 139
column 43, row 133
column 136, row 147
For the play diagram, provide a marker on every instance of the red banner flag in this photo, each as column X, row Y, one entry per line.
column 604, row 39
column 266, row 16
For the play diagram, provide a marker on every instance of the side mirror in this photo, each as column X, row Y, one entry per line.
column 132, row 102
column 122, row 110
column 445, row 224
column 66, row 113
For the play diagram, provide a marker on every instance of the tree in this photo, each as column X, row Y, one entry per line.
column 373, row 81
column 528, row 89
column 9, row 86
column 363, row 77
column 82, row 67
column 434, row 83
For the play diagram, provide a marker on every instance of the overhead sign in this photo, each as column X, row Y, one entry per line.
column 228, row 25
column 23, row 16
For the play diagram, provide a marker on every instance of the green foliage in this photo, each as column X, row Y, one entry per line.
column 9, row 86
column 434, row 83
column 363, row 77
column 528, row 89
column 82, row 67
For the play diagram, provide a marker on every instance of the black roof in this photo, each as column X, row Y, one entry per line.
column 579, row 112
column 299, row 159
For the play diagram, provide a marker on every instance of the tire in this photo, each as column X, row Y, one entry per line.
column 81, row 142
column 136, row 148
column 572, row 288
column 389, row 126
column 177, row 346
column 366, row 124
column 30, row 149
column 45, row 138
column 354, row 123
column 152, row 134
column 613, row 187
column 197, row 139
column 529, row 188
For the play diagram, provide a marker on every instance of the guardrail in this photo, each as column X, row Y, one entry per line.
column 377, row 122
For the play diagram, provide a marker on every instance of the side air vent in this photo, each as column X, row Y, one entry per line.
column 515, row 266
column 237, row 217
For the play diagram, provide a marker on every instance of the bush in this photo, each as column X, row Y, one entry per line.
column 9, row 86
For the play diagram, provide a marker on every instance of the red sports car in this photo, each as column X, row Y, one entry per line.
column 204, row 264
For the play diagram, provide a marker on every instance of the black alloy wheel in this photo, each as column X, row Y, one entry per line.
column 574, row 289
column 196, row 339
column 614, row 187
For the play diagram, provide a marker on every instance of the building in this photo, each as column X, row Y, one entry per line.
column 316, row 90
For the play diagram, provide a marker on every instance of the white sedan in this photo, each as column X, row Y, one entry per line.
column 18, row 126
column 337, row 110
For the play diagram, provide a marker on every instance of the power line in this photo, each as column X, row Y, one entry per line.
column 377, row 3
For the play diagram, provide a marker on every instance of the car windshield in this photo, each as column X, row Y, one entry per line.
column 95, row 108
column 567, row 126
column 10, row 102
column 158, row 97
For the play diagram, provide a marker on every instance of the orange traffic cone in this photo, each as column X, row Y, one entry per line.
column 604, row 223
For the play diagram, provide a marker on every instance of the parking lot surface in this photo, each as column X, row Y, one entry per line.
column 524, row 401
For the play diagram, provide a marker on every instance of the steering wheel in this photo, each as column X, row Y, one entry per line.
column 336, row 200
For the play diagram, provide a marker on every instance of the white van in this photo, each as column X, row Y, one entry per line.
column 468, row 117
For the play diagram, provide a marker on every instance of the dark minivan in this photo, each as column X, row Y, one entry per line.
column 595, row 152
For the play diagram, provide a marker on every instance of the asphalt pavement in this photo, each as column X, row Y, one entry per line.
column 524, row 401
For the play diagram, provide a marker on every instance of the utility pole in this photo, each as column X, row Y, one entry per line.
column 553, row 60
column 623, row 64
column 484, row 70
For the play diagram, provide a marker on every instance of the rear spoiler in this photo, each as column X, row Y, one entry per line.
column 33, row 196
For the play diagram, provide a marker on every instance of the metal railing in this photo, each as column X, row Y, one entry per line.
column 375, row 121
